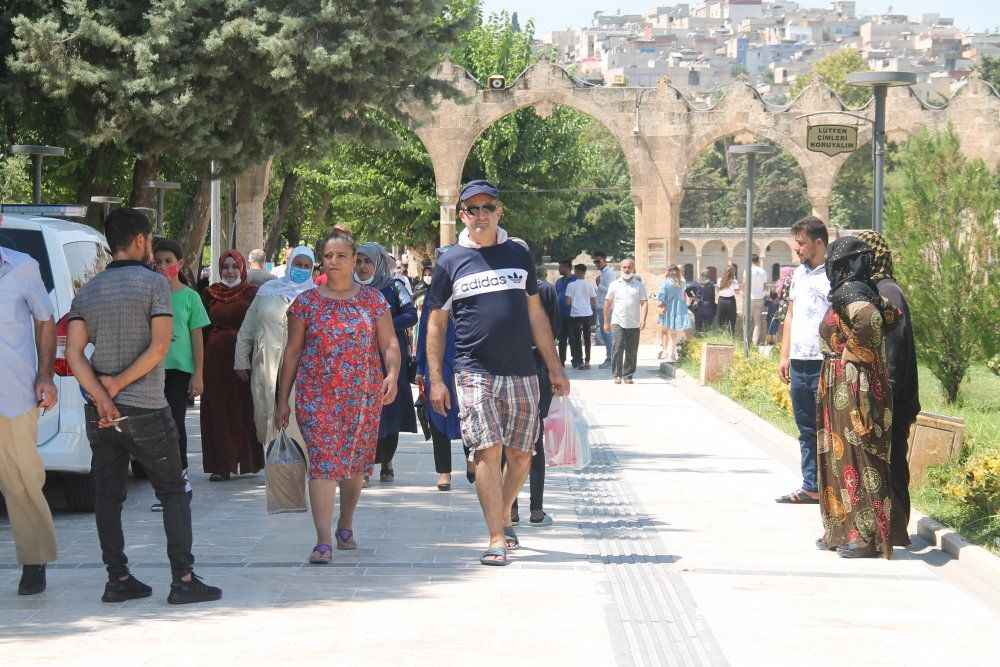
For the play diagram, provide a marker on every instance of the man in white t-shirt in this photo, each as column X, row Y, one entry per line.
column 581, row 296
column 801, row 357
column 757, row 279
column 625, row 314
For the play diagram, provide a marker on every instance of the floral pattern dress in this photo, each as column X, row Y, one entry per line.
column 337, row 386
column 854, row 403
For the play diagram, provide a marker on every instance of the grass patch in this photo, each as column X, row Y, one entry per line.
column 964, row 494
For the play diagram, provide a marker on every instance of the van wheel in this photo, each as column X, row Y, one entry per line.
column 79, row 490
column 138, row 471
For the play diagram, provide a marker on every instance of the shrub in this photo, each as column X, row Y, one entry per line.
column 757, row 377
column 977, row 481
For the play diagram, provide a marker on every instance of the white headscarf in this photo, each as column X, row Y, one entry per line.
column 284, row 285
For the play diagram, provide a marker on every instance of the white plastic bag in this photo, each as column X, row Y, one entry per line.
column 566, row 435
column 285, row 470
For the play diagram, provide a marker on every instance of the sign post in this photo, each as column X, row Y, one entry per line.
column 832, row 139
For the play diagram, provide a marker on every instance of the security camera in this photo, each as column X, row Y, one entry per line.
column 496, row 82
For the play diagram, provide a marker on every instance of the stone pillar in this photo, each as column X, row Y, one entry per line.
column 251, row 191
column 448, row 232
column 820, row 201
column 673, row 230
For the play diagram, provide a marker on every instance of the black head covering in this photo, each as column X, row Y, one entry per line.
column 849, row 263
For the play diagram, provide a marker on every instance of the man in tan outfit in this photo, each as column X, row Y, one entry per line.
column 26, row 324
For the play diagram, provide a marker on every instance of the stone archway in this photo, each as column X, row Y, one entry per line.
column 776, row 255
column 661, row 132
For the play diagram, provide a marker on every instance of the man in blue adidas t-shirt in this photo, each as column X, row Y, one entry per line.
column 488, row 283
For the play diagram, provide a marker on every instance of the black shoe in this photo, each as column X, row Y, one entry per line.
column 120, row 590
column 857, row 550
column 387, row 474
column 32, row 580
column 196, row 590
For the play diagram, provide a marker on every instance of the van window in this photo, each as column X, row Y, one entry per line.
column 85, row 260
column 31, row 242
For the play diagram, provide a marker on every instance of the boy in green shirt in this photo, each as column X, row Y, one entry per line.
column 184, row 361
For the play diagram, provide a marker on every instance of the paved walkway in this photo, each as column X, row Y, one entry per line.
column 668, row 550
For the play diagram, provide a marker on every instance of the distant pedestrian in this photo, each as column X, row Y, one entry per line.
column 901, row 364
column 27, row 333
column 489, row 282
column 184, row 363
column 771, row 304
column 340, row 337
column 257, row 274
column 229, row 444
column 605, row 276
column 705, row 313
column 728, row 289
column 565, row 322
column 374, row 269
column 581, row 296
column 854, row 439
column 801, row 355
column 675, row 318
column 758, row 279
column 625, row 316
column 125, row 313
column 260, row 342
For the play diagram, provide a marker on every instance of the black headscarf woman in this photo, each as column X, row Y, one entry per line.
column 849, row 263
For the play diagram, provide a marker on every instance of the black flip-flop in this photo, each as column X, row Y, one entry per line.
column 496, row 556
column 797, row 497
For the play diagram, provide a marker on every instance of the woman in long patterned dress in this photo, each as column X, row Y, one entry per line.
column 336, row 334
column 854, row 403
column 228, row 438
column 260, row 343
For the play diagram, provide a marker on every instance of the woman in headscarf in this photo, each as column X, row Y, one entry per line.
column 261, row 340
column 229, row 442
column 901, row 364
column 374, row 268
column 854, row 400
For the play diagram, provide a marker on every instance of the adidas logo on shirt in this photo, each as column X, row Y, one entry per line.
column 484, row 282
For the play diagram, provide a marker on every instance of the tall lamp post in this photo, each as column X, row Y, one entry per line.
column 751, row 151
column 880, row 82
column 37, row 153
column 161, row 188
column 106, row 204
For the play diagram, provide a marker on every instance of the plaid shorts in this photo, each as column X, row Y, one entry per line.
column 498, row 410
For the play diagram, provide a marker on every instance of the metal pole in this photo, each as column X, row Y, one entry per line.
column 36, row 184
column 160, row 196
column 215, row 208
column 878, row 158
column 747, row 272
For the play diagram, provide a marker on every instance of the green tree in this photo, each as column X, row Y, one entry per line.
column 989, row 70
column 941, row 222
column 833, row 70
column 851, row 202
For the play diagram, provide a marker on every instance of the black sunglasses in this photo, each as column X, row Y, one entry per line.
column 475, row 210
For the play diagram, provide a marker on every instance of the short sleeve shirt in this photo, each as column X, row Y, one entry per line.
column 580, row 292
column 189, row 315
column 627, row 297
column 23, row 300
column 118, row 306
column 758, row 277
column 810, row 294
column 488, row 289
column 608, row 276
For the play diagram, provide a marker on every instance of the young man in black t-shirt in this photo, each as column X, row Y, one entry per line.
column 489, row 284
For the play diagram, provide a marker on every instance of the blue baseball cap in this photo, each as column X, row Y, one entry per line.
column 478, row 187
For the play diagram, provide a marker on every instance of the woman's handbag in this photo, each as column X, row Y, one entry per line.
column 285, row 471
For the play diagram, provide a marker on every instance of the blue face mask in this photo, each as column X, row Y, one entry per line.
column 298, row 275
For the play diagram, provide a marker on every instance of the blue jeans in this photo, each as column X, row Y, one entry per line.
column 805, row 380
column 606, row 338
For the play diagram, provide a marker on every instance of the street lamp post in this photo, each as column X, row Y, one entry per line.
column 37, row 153
column 161, row 188
column 880, row 82
column 106, row 203
column 751, row 151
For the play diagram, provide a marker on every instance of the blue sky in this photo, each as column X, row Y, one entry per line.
column 558, row 14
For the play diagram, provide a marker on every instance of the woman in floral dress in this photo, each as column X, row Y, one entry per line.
column 855, row 408
column 336, row 333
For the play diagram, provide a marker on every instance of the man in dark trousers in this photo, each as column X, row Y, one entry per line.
column 536, row 476
column 125, row 312
column 562, row 333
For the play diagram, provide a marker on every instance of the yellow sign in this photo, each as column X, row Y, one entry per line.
column 832, row 139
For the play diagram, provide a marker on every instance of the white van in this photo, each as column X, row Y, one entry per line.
column 68, row 254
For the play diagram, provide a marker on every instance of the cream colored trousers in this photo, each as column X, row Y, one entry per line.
column 22, row 476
